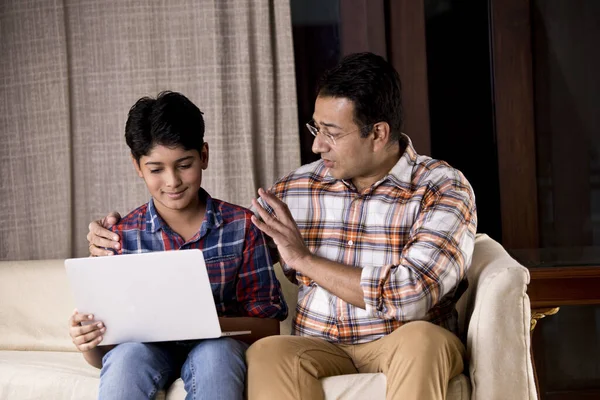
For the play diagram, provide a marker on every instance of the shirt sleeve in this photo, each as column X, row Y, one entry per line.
column 258, row 289
column 433, row 262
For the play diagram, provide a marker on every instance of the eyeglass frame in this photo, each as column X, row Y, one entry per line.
column 329, row 138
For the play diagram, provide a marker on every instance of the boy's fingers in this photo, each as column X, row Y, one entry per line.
column 89, row 346
column 79, row 317
column 89, row 337
column 85, row 329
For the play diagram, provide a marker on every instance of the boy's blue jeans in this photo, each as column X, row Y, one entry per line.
column 210, row 369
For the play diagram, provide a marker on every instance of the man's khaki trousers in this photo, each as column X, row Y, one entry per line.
column 418, row 359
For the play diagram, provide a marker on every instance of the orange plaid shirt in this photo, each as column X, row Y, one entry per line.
column 412, row 233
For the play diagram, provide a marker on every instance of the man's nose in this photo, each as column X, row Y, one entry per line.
column 319, row 145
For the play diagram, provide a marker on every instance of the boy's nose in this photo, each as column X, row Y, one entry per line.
column 173, row 180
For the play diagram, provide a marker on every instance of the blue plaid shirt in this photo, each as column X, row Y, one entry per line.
column 237, row 258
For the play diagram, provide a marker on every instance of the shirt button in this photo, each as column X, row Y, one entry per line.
column 350, row 242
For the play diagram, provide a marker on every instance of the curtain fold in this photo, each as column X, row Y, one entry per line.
column 71, row 70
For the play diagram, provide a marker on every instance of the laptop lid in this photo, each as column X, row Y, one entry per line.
column 149, row 297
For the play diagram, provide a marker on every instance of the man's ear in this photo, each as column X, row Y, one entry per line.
column 381, row 135
column 136, row 165
column 204, row 156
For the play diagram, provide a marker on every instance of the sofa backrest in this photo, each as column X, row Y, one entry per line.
column 36, row 301
column 35, row 305
column 290, row 293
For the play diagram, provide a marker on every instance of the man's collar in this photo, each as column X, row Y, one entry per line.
column 400, row 174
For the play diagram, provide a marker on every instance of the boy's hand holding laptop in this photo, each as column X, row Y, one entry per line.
column 85, row 337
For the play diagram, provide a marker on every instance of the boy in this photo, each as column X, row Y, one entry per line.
column 166, row 138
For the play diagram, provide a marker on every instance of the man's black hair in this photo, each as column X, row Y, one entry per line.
column 374, row 87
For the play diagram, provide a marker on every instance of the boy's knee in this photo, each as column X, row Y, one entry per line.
column 134, row 354
column 133, row 362
column 223, row 349
column 215, row 360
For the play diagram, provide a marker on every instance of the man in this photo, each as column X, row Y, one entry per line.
column 378, row 239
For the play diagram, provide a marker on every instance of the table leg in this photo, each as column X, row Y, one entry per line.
column 536, row 315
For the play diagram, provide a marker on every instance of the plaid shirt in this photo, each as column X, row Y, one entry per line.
column 412, row 233
column 237, row 259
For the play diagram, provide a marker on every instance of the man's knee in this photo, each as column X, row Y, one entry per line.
column 422, row 338
column 265, row 346
column 270, row 349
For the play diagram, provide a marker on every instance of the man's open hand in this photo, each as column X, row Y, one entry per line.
column 282, row 228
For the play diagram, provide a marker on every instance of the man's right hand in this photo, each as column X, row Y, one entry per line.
column 100, row 238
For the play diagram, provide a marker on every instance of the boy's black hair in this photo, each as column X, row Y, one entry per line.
column 374, row 87
column 170, row 120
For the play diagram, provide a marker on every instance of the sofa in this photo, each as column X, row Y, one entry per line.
column 38, row 360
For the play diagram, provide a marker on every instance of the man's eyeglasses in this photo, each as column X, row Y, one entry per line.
column 329, row 138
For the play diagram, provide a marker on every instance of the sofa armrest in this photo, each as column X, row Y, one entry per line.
column 498, row 329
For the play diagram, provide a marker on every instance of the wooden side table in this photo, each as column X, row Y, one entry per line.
column 560, row 277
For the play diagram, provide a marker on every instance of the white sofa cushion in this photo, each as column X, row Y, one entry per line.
column 34, row 375
column 354, row 387
column 372, row 387
column 29, row 375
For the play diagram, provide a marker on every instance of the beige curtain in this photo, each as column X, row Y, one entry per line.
column 72, row 69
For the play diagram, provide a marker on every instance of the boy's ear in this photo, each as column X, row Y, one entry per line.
column 136, row 165
column 204, row 156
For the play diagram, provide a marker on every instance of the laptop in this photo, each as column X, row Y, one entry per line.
column 149, row 297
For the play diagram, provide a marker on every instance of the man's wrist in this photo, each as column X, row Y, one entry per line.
column 303, row 264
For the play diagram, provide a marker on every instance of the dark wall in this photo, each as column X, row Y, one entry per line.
column 458, row 73
column 460, row 100
column 315, row 28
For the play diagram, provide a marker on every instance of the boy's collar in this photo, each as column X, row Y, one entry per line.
column 212, row 217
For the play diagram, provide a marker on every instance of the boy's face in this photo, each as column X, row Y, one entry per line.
column 173, row 175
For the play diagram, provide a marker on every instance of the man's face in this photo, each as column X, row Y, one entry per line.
column 173, row 176
column 350, row 158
